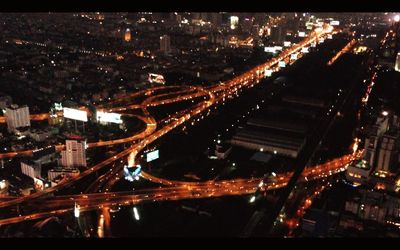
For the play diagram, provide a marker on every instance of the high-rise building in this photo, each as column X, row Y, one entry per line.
column 397, row 64
column 204, row 16
column 127, row 36
column 372, row 141
column 31, row 169
column 216, row 19
column 56, row 172
column 388, row 152
column 75, row 154
column 195, row 15
column 371, row 144
column 5, row 101
column 17, row 117
column 247, row 24
column 165, row 44
column 276, row 34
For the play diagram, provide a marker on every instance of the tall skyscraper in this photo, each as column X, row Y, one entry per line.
column 216, row 19
column 75, row 154
column 17, row 117
column 371, row 152
column 30, row 169
column 276, row 34
column 388, row 152
column 397, row 64
column 127, row 36
column 204, row 16
column 165, row 44
column 247, row 24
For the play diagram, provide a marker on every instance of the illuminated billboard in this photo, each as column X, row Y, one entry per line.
column 108, row 117
column 75, row 114
column 293, row 56
column 304, row 50
column 157, row 78
column 282, row 64
column 334, row 23
column 151, row 156
column 287, row 43
column 278, row 48
column 313, row 44
column 268, row 72
column 58, row 106
column 132, row 173
column 269, row 49
column 234, row 21
column 302, row 34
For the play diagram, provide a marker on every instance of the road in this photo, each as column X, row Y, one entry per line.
column 195, row 190
column 212, row 96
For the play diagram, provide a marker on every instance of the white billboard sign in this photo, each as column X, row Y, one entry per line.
column 334, row 23
column 151, row 156
column 287, row 43
column 268, row 72
column 108, row 117
column 75, row 114
column 270, row 49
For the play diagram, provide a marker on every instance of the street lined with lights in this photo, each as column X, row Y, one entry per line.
column 213, row 95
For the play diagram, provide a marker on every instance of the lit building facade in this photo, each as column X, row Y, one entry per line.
column 17, row 117
column 75, row 154
column 128, row 35
column 165, row 44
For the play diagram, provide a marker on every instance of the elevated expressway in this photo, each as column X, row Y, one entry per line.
column 212, row 96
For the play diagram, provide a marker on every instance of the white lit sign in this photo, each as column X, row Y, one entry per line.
column 77, row 211
column 268, row 72
column 58, row 106
column 156, row 78
column 293, row 56
column 286, row 44
column 136, row 213
column 108, row 117
column 278, row 48
column 304, row 50
column 269, row 49
column 75, row 114
column 282, row 64
column 302, row 34
column 152, row 156
column 334, row 23
column 3, row 184
column 234, row 22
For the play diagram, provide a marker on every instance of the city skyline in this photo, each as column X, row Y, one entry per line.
column 150, row 124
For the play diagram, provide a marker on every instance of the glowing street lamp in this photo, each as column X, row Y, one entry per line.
column 396, row 18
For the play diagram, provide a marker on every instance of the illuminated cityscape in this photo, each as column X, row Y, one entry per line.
column 199, row 124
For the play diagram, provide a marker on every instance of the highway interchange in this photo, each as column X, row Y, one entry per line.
column 42, row 204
